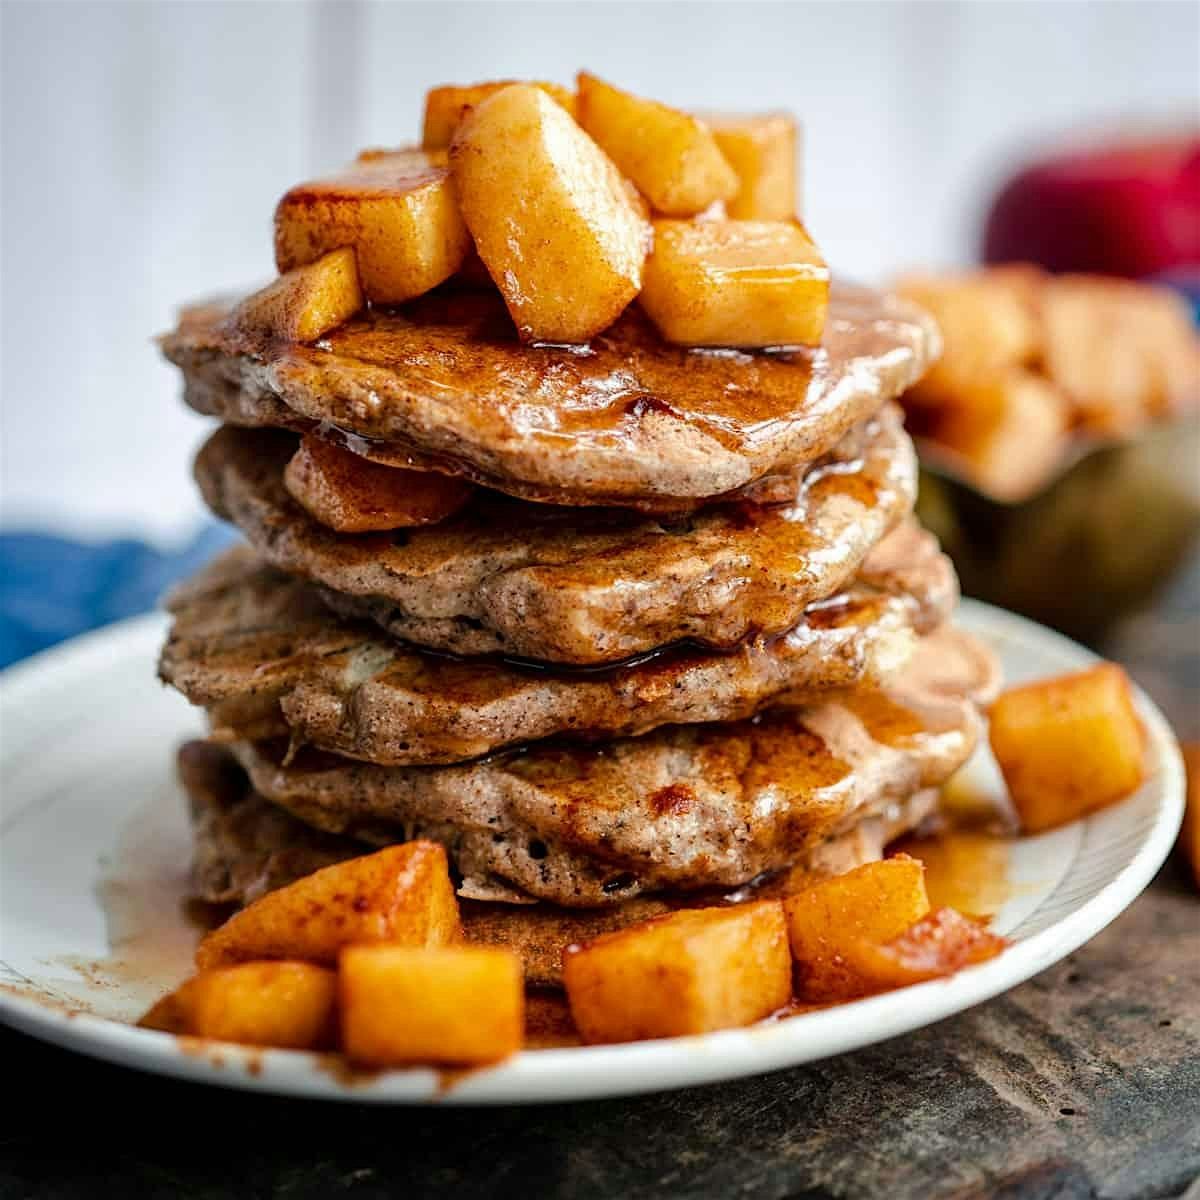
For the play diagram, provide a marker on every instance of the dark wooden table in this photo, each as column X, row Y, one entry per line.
column 1084, row 1082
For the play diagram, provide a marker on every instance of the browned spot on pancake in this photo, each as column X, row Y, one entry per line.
column 674, row 800
column 639, row 407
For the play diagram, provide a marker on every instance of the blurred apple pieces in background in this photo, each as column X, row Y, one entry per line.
column 1011, row 432
column 1032, row 363
column 988, row 322
column 1122, row 353
column 397, row 209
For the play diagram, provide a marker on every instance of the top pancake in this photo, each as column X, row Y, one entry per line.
column 443, row 383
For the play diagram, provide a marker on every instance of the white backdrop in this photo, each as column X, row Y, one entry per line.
column 144, row 145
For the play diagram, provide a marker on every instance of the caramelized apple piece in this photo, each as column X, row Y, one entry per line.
column 874, row 903
column 761, row 148
column 939, row 944
column 690, row 972
column 306, row 303
column 445, row 106
column 550, row 215
column 671, row 156
column 988, row 325
column 451, row 1004
column 397, row 209
column 1011, row 430
column 402, row 894
column 1122, row 352
column 289, row 1005
column 736, row 283
column 169, row 1014
column 351, row 494
column 1068, row 746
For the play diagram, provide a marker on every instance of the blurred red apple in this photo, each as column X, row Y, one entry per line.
column 1127, row 208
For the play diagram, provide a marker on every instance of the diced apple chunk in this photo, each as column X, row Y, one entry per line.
column 306, row 303
column 1068, row 746
column 1122, row 352
column 445, row 106
column 402, row 894
column 351, row 494
column 988, row 323
column 1010, row 429
column 397, row 209
column 550, row 216
column 671, row 156
column 168, row 1014
column 284, row 1004
column 451, row 1005
column 736, row 283
column 761, row 148
column 690, row 972
column 939, row 944
column 875, row 903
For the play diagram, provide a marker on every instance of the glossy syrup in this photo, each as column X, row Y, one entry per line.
column 964, row 869
column 152, row 929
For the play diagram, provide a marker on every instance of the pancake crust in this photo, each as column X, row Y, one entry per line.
column 578, row 586
column 244, row 846
column 263, row 654
column 680, row 808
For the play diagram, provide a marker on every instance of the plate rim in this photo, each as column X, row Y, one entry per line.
column 591, row 1072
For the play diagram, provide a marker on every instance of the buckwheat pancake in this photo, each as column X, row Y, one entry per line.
column 578, row 585
column 681, row 808
column 264, row 655
column 244, row 847
column 443, row 383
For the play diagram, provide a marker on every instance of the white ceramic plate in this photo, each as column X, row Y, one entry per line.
column 94, row 850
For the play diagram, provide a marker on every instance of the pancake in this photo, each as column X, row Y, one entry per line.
column 263, row 654
column 680, row 808
column 571, row 585
column 244, row 847
column 630, row 420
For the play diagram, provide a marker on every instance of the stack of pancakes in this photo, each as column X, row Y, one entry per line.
column 678, row 635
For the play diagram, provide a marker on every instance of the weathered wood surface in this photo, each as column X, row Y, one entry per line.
column 1082, row 1083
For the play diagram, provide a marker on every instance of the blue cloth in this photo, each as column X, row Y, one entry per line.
column 52, row 588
